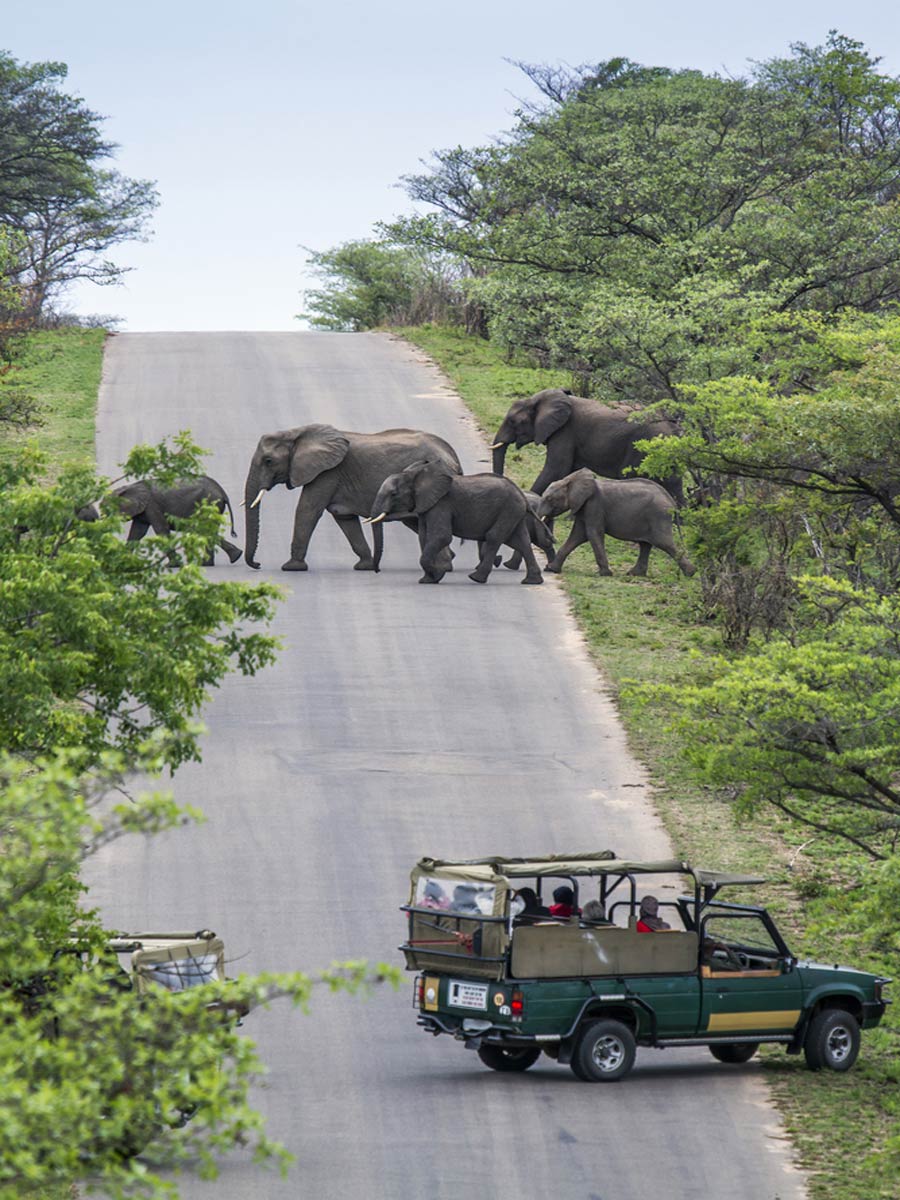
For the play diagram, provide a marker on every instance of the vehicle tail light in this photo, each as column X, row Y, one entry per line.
column 419, row 986
column 517, row 1004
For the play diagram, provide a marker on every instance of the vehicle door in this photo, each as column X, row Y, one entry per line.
column 748, row 983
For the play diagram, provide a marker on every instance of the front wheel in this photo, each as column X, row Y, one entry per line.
column 734, row 1052
column 832, row 1040
column 605, row 1052
column 508, row 1058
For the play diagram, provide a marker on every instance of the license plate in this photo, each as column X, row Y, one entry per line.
column 468, row 995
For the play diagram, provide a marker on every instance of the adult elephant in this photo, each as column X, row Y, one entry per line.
column 338, row 471
column 578, row 433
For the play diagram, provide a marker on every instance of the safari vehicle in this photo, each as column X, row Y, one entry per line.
column 510, row 984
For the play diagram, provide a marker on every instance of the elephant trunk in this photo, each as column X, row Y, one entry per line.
column 500, row 449
column 252, row 489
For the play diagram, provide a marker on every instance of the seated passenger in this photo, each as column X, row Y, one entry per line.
column 593, row 913
column 649, row 920
column 563, row 902
column 464, row 900
column 435, row 896
column 526, row 908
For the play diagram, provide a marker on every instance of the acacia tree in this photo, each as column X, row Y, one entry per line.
column 64, row 207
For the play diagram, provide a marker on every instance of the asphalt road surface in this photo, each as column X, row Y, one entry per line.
column 400, row 721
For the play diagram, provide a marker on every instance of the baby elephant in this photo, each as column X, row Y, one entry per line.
column 633, row 510
column 150, row 506
column 484, row 508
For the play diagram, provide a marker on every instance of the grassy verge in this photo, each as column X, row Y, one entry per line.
column 61, row 370
column 650, row 630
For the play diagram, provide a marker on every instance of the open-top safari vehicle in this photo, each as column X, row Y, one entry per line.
column 506, row 978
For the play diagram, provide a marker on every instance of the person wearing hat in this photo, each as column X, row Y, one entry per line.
column 563, row 902
column 649, row 920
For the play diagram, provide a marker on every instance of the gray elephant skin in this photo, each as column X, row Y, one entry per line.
column 485, row 508
column 578, row 433
column 150, row 506
column 632, row 510
column 340, row 472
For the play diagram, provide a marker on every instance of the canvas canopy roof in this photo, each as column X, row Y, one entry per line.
column 599, row 862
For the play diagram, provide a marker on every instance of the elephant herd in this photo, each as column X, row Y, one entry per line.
column 415, row 477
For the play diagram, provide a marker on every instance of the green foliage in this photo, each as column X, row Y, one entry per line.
column 372, row 283
column 60, row 210
column 101, row 642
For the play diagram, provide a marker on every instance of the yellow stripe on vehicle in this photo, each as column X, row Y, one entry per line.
column 734, row 1022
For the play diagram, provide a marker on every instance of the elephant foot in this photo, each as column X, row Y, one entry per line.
column 688, row 568
column 295, row 564
column 429, row 579
column 553, row 569
column 511, row 564
column 365, row 564
column 233, row 555
column 604, row 571
column 533, row 579
column 477, row 578
column 633, row 571
column 498, row 560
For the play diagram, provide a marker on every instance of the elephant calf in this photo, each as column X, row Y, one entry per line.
column 149, row 507
column 485, row 508
column 632, row 510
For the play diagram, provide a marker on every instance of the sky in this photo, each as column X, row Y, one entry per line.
column 280, row 125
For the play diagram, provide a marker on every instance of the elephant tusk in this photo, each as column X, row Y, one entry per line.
column 498, row 445
column 375, row 520
column 262, row 492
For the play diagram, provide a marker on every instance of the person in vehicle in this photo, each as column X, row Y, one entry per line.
column 649, row 920
column 563, row 902
column 464, row 900
column 527, row 908
column 594, row 913
column 435, row 896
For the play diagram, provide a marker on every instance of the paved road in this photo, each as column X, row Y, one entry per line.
column 399, row 721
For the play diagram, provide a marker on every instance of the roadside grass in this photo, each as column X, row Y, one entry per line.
column 644, row 631
column 61, row 369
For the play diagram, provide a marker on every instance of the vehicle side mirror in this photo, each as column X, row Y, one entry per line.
column 788, row 965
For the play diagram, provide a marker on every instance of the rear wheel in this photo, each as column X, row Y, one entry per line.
column 734, row 1052
column 604, row 1052
column 832, row 1040
column 508, row 1058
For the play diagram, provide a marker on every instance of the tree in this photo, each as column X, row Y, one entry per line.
column 65, row 209
column 372, row 283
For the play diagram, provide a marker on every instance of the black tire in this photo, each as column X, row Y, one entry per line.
column 508, row 1058
column 604, row 1052
column 734, row 1052
column 832, row 1040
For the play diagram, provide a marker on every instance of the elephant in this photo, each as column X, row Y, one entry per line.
column 578, row 433
column 149, row 506
column 484, row 508
column 633, row 510
column 338, row 471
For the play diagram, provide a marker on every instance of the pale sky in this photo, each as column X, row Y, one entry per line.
column 282, row 124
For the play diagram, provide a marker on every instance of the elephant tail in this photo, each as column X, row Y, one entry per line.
column 378, row 544
column 230, row 516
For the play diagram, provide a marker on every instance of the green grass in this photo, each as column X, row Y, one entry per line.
column 650, row 630
column 61, row 370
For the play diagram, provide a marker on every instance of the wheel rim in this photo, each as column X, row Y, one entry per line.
column 607, row 1053
column 840, row 1043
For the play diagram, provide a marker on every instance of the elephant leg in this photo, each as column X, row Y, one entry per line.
column 521, row 542
column 513, row 562
column 352, row 531
column 667, row 545
column 233, row 552
column 138, row 529
column 598, row 545
column 640, row 567
column 433, row 558
column 577, row 537
column 446, row 556
column 306, row 518
column 488, row 547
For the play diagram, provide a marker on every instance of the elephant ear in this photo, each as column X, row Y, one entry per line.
column 317, row 448
column 552, row 413
column 432, row 482
column 582, row 486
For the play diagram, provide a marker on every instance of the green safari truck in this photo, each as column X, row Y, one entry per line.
column 509, row 974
